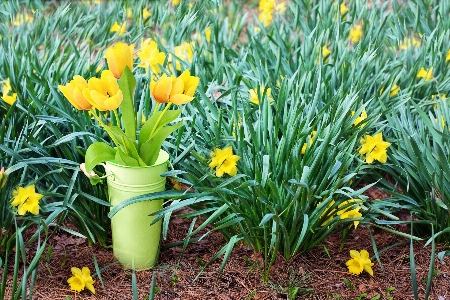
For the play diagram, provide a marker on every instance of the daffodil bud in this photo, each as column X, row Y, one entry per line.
column 3, row 178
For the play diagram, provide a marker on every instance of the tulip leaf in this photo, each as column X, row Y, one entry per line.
column 147, row 128
column 97, row 153
column 149, row 151
column 123, row 159
column 128, row 145
column 127, row 83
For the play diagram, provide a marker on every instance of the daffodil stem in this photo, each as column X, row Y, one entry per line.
column 159, row 119
column 105, row 127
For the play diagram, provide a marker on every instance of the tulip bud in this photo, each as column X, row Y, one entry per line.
column 119, row 56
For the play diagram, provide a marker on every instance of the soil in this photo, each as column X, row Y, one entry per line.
column 317, row 274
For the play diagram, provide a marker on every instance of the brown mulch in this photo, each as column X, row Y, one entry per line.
column 325, row 276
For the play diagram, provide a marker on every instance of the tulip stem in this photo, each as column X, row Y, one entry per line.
column 116, row 115
column 156, row 107
column 159, row 119
column 105, row 127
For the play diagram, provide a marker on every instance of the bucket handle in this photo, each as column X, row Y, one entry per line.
column 95, row 175
column 108, row 173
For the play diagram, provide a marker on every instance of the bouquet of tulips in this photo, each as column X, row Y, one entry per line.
column 133, row 146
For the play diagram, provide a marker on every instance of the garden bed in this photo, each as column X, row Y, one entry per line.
column 321, row 275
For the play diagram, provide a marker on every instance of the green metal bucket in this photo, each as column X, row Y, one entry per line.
column 135, row 242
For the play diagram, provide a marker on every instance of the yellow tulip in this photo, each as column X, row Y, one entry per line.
column 73, row 91
column 104, row 93
column 190, row 83
column 177, row 90
column 119, row 56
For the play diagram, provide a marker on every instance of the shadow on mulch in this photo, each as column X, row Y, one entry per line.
column 327, row 276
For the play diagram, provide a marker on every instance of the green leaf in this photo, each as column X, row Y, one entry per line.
column 123, row 159
column 97, row 153
column 127, row 83
column 149, row 151
column 266, row 218
column 147, row 128
column 128, row 144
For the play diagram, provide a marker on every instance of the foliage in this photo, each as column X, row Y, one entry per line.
column 299, row 148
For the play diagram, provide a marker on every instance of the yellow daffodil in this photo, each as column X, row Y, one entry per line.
column 447, row 57
column 81, row 279
column 442, row 122
column 327, row 213
column 325, row 53
column 150, row 56
column 26, row 200
column 279, row 82
column 351, row 214
column 347, row 211
column 120, row 28
column 183, row 52
column 224, row 161
column 393, row 91
column 175, row 2
column 359, row 261
column 374, row 148
column 356, row 33
column 254, row 95
column 23, row 18
column 208, row 34
column 426, row 74
column 439, row 97
column 266, row 7
column 145, row 13
column 409, row 42
column 73, row 91
column 129, row 13
column 103, row 93
column 281, row 7
column 362, row 117
column 6, row 89
column 343, row 9
column 119, row 56
column 177, row 90
column 311, row 140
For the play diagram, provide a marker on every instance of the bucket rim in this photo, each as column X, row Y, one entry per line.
column 142, row 167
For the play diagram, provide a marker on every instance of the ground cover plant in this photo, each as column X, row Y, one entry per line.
column 302, row 108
